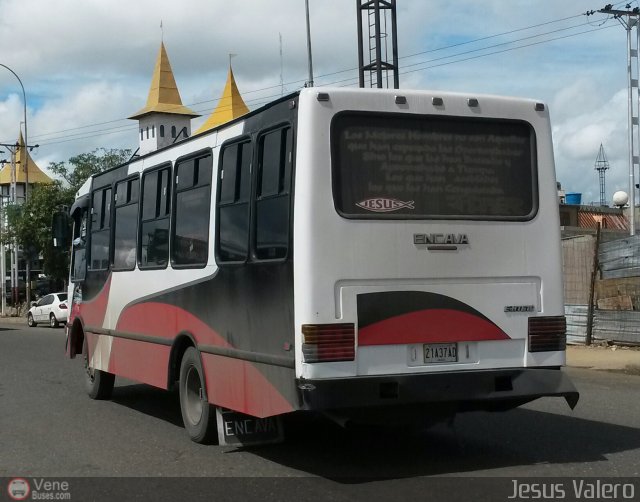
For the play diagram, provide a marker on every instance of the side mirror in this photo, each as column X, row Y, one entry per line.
column 33, row 304
column 61, row 229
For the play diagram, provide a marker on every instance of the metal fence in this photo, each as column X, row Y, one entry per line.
column 576, row 323
column 614, row 284
column 620, row 258
column 578, row 254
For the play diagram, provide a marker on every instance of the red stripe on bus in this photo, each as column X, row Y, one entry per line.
column 238, row 385
column 142, row 362
column 231, row 383
column 430, row 326
column 166, row 321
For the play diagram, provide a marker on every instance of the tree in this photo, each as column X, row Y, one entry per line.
column 30, row 223
column 87, row 164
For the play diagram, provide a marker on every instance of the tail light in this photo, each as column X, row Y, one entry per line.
column 62, row 306
column 547, row 334
column 323, row 343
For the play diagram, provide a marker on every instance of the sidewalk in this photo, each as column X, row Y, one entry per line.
column 13, row 320
column 600, row 357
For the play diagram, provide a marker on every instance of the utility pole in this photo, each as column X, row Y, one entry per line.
column 629, row 19
column 13, row 149
column 26, row 169
column 3, row 250
column 13, row 198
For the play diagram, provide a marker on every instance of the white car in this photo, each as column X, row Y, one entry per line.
column 52, row 309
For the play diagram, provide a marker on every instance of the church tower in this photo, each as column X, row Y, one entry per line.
column 164, row 120
column 22, row 159
column 230, row 106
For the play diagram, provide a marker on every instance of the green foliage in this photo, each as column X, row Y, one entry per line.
column 30, row 223
column 79, row 168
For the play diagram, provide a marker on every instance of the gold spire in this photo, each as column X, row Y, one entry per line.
column 35, row 174
column 229, row 107
column 163, row 94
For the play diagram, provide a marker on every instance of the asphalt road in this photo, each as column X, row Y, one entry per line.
column 49, row 427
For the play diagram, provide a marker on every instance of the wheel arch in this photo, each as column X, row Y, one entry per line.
column 182, row 342
column 76, row 338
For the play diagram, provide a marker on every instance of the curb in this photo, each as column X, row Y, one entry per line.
column 14, row 320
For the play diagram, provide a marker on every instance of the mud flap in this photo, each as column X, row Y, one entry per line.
column 237, row 429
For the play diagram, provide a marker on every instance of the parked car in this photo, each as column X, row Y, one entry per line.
column 51, row 308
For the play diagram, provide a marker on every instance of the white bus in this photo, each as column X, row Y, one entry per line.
column 374, row 255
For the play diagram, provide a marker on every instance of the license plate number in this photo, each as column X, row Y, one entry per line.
column 440, row 353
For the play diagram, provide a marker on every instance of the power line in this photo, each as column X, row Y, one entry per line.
column 299, row 81
column 489, row 37
column 477, row 56
column 129, row 127
column 513, row 48
column 85, row 135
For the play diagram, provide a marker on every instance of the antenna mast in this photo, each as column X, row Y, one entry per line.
column 309, row 58
column 376, row 14
column 602, row 165
column 281, row 68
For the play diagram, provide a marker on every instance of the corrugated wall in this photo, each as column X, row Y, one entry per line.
column 617, row 290
column 620, row 258
column 577, row 262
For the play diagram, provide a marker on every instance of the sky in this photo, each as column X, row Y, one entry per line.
column 86, row 65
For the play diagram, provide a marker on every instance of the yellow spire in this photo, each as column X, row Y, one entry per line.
column 229, row 107
column 163, row 94
column 35, row 174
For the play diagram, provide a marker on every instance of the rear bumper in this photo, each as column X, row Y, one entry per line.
column 467, row 390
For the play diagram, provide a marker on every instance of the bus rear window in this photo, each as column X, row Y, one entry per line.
column 433, row 167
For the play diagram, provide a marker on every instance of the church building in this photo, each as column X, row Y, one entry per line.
column 165, row 120
column 35, row 174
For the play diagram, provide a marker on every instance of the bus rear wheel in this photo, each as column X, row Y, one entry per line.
column 197, row 414
column 99, row 384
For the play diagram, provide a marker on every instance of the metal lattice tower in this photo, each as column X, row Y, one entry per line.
column 378, row 14
column 602, row 165
column 629, row 20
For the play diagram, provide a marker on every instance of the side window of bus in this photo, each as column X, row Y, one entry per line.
column 153, row 251
column 190, row 245
column 79, row 262
column 125, row 224
column 273, row 194
column 100, row 229
column 234, row 194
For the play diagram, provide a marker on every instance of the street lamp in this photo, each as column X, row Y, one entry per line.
column 26, row 177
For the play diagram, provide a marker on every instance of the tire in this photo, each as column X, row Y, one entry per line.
column 53, row 322
column 197, row 414
column 98, row 384
column 30, row 322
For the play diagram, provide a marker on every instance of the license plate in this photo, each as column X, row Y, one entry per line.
column 441, row 353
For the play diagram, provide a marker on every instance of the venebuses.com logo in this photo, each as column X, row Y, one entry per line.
column 38, row 489
column 18, row 489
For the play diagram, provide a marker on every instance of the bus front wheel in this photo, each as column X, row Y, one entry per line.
column 99, row 384
column 197, row 414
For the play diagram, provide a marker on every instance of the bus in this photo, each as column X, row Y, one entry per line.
column 376, row 256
